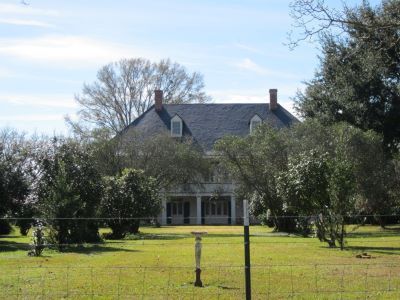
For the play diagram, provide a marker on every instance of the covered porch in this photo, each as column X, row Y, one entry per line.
column 199, row 210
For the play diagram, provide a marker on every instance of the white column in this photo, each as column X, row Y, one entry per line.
column 233, row 210
column 198, row 210
column 164, row 211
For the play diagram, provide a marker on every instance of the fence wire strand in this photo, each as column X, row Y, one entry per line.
column 222, row 280
column 219, row 286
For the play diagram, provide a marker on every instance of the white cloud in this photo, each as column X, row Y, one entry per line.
column 249, row 65
column 248, row 48
column 24, row 22
column 5, row 73
column 68, row 51
column 8, row 9
column 54, row 101
column 33, row 117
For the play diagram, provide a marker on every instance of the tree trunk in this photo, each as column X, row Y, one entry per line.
column 134, row 227
column 342, row 232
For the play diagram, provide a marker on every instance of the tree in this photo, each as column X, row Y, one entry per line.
column 127, row 198
column 331, row 174
column 255, row 162
column 14, row 183
column 304, row 186
column 359, row 78
column 312, row 19
column 68, row 192
column 169, row 161
column 125, row 89
column 312, row 169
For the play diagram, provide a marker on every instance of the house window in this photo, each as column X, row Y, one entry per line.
column 177, row 208
column 255, row 122
column 176, row 126
column 218, row 208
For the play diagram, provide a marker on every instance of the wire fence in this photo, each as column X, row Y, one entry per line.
column 158, row 263
column 222, row 282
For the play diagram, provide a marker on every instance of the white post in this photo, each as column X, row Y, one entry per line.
column 198, row 210
column 233, row 210
column 164, row 211
column 246, row 220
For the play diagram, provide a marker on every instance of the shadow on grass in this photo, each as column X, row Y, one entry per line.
column 153, row 236
column 95, row 249
column 387, row 232
column 223, row 235
column 228, row 287
column 373, row 249
column 8, row 246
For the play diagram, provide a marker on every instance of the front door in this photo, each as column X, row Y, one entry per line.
column 186, row 213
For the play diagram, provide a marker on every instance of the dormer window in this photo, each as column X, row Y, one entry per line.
column 176, row 126
column 255, row 122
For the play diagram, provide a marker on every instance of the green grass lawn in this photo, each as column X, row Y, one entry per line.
column 160, row 265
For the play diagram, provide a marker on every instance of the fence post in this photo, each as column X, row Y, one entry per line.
column 246, row 224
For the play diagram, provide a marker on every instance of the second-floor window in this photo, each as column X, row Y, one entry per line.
column 255, row 122
column 176, row 126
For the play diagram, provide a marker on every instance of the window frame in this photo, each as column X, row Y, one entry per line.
column 176, row 119
column 216, row 208
column 255, row 119
column 176, row 209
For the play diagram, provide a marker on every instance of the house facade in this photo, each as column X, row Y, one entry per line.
column 205, row 124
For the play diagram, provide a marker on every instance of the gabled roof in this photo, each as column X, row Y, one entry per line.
column 207, row 123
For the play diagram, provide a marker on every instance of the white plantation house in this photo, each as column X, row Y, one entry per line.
column 205, row 124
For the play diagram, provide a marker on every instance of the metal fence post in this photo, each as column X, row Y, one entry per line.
column 246, row 224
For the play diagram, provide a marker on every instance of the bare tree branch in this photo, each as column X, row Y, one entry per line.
column 124, row 90
column 314, row 18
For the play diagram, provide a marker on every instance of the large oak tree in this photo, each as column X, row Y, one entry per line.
column 358, row 80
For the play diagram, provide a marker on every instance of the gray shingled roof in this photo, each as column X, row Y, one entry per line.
column 207, row 123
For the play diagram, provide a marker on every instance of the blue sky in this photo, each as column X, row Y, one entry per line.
column 48, row 49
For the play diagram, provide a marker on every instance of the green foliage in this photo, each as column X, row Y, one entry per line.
column 359, row 78
column 14, row 183
column 69, row 192
column 305, row 184
column 256, row 161
column 313, row 170
column 337, row 177
column 38, row 241
column 169, row 161
column 5, row 227
column 127, row 197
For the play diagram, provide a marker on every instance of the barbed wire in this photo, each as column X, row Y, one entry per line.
column 195, row 217
column 125, row 243
column 216, row 266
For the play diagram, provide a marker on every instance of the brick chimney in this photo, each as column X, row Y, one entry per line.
column 273, row 99
column 158, row 99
